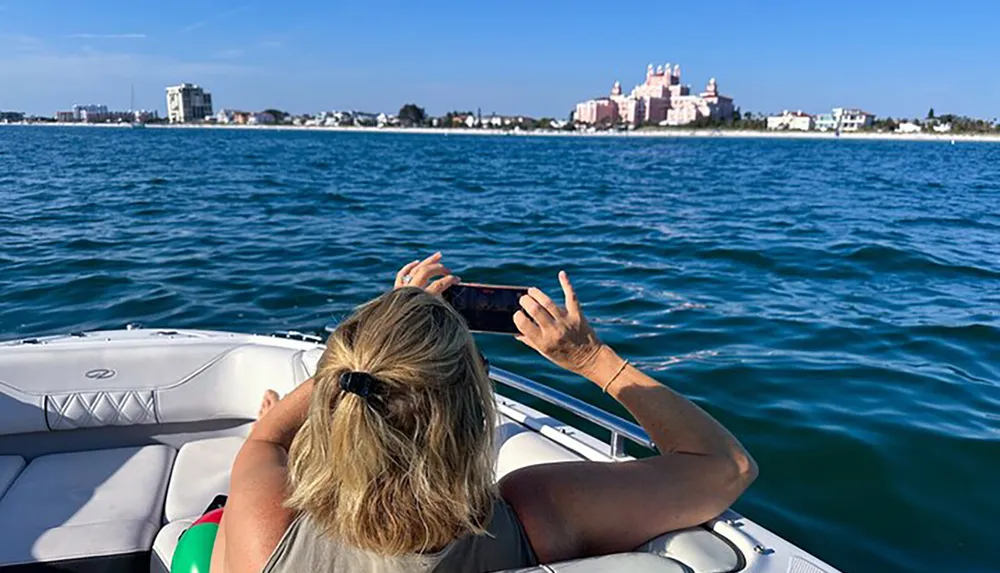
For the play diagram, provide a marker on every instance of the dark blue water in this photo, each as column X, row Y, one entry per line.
column 834, row 303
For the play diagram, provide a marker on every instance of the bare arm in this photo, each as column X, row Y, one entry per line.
column 578, row 509
column 255, row 518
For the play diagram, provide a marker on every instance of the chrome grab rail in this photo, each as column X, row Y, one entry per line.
column 296, row 335
column 620, row 429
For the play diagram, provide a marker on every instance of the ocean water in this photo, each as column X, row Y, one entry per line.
column 836, row 304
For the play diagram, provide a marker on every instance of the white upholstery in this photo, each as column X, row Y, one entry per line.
column 97, row 409
column 518, row 447
column 200, row 473
column 84, row 504
column 20, row 412
column 90, row 366
column 96, row 383
column 10, row 466
column 627, row 562
column 231, row 387
column 310, row 361
column 698, row 548
column 165, row 544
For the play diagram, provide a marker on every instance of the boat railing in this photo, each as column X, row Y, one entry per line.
column 620, row 429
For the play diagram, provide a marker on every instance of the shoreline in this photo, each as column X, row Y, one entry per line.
column 668, row 133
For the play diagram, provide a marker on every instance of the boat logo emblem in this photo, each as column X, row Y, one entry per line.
column 100, row 374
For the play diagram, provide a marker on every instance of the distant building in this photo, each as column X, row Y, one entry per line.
column 365, row 119
column 942, row 127
column 112, row 117
column 909, row 127
column 386, row 120
column 11, row 117
column 145, row 115
column 89, row 112
column 496, row 121
column 261, row 118
column 595, row 111
column 187, row 103
column 792, row 121
column 65, row 116
column 94, row 113
column 332, row 119
column 661, row 100
column 228, row 116
column 855, row 119
column 843, row 119
column 826, row 122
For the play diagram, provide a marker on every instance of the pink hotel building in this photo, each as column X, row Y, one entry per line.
column 661, row 100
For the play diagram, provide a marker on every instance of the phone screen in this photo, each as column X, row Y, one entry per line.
column 486, row 308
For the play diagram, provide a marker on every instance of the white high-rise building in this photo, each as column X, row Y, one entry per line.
column 188, row 102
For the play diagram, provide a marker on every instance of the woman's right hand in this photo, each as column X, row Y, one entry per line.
column 419, row 274
column 559, row 333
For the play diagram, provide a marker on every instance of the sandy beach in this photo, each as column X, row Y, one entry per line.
column 644, row 133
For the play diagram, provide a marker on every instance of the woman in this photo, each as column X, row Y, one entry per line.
column 383, row 461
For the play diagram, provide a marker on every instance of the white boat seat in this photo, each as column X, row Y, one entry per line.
column 631, row 562
column 695, row 550
column 94, row 507
column 518, row 447
column 200, row 473
column 698, row 549
column 129, row 384
column 10, row 466
column 166, row 543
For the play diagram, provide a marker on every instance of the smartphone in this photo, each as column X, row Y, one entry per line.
column 218, row 502
column 486, row 308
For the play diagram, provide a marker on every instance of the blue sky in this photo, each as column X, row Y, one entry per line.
column 540, row 57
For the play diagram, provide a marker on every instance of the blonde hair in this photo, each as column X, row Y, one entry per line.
column 409, row 469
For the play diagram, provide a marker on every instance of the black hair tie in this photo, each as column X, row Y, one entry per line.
column 361, row 383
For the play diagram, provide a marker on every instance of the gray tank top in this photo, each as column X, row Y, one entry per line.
column 305, row 548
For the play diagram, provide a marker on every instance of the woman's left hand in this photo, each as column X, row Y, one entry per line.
column 420, row 274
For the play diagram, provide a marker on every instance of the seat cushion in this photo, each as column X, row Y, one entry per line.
column 631, row 562
column 165, row 544
column 84, row 505
column 699, row 549
column 200, row 473
column 518, row 447
column 10, row 466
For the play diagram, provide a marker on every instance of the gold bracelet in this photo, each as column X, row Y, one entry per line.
column 615, row 377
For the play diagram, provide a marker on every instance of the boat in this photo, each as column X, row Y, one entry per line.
column 112, row 443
